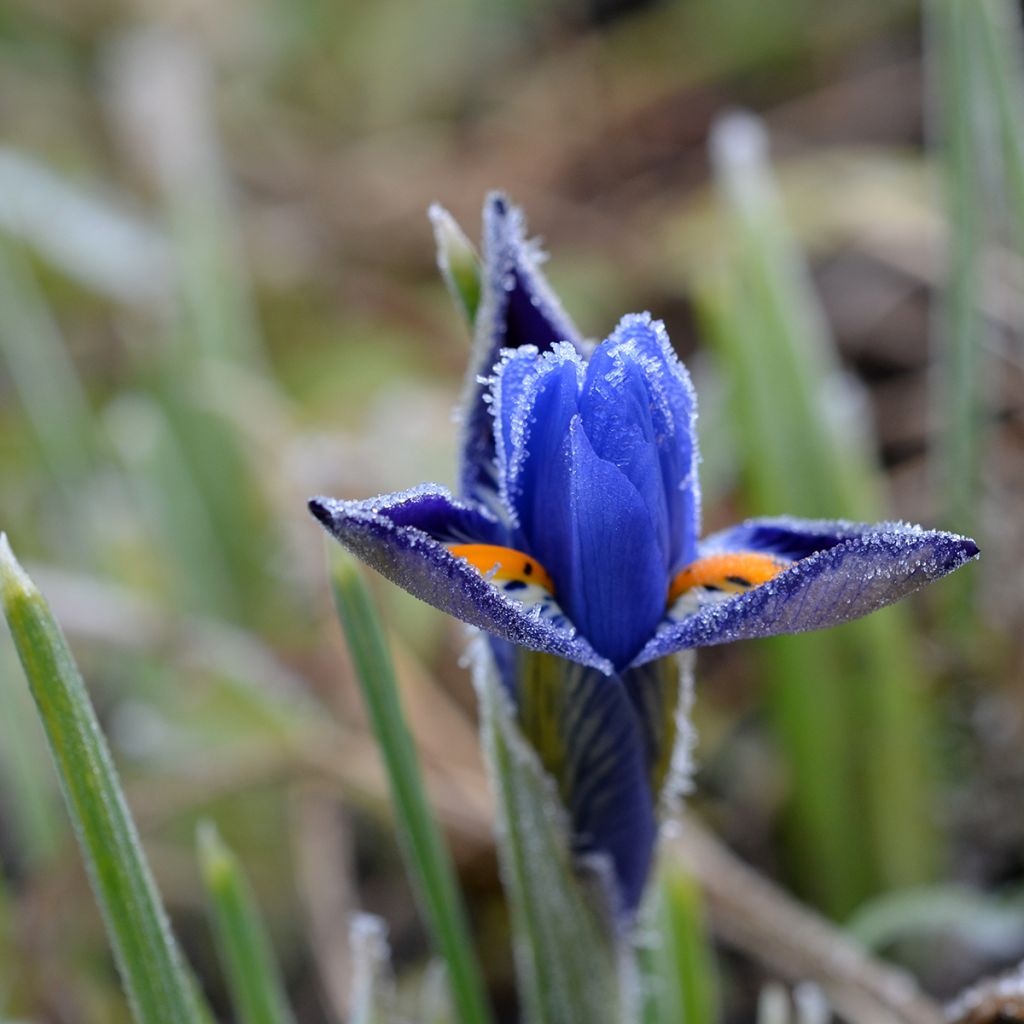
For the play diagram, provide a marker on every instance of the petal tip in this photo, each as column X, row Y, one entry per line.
column 320, row 508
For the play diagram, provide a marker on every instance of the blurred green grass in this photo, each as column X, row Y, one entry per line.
column 273, row 327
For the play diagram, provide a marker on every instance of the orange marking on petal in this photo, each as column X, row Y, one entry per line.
column 504, row 564
column 733, row 572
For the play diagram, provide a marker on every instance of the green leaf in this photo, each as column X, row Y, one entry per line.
column 849, row 704
column 257, row 991
column 966, row 148
column 1001, row 39
column 427, row 858
column 571, row 966
column 677, row 963
column 25, row 777
column 459, row 263
column 151, row 966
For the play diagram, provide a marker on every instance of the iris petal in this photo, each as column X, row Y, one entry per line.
column 640, row 412
column 535, row 397
column 602, row 550
column 855, row 569
column 586, row 734
column 517, row 308
column 386, row 533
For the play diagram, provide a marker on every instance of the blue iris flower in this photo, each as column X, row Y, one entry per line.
column 575, row 544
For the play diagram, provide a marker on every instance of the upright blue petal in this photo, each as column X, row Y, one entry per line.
column 517, row 307
column 535, row 398
column 602, row 550
column 640, row 412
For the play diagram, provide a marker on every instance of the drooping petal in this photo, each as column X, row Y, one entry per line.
column 517, row 307
column 640, row 412
column 602, row 550
column 585, row 732
column 403, row 536
column 853, row 569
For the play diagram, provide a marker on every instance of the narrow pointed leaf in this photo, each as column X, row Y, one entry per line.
column 965, row 149
column 459, row 262
column 1000, row 23
column 569, row 962
column 677, row 962
column 254, row 979
column 151, row 966
column 427, row 858
column 850, row 705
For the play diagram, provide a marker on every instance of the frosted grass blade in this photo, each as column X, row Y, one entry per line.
column 427, row 858
column 25, row 777
column 151, row 967
column 569, row 965
column 1001, row 39
column 44, row 377
column 254, row 979
column 849, row 704
column 679, row 977
column 958, row 125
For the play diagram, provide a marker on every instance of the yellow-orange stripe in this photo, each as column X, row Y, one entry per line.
column 504, row 563
column 733, row 572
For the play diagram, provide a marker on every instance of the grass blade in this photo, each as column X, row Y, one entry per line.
column 42, row 372
column 568, row 961
column 849, row 705
column 959, row 123
column 151, row 966
column 677, row 962
column 257, row 991
column 426, row 855
column 1001, row 39
column 24, row 776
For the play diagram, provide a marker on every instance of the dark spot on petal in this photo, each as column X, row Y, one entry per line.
column 513, row 585
column 528, row 569
column 739, row 581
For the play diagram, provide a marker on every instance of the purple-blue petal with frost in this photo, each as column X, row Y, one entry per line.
column 640, row 412
column 601, row 549
column 789, row 537
column 870, row 567
column 517, row 307
column 422, row 565
column 534, row 399
column 433, row 510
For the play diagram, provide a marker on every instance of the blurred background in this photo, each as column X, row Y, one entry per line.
column 218, row 296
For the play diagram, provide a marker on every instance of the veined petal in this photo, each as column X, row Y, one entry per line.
column 640, row 413
column 602, row 550
column 587, row 736
column 517, row 307
column 534, row 398
column 403, row 536
column 853, row 569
